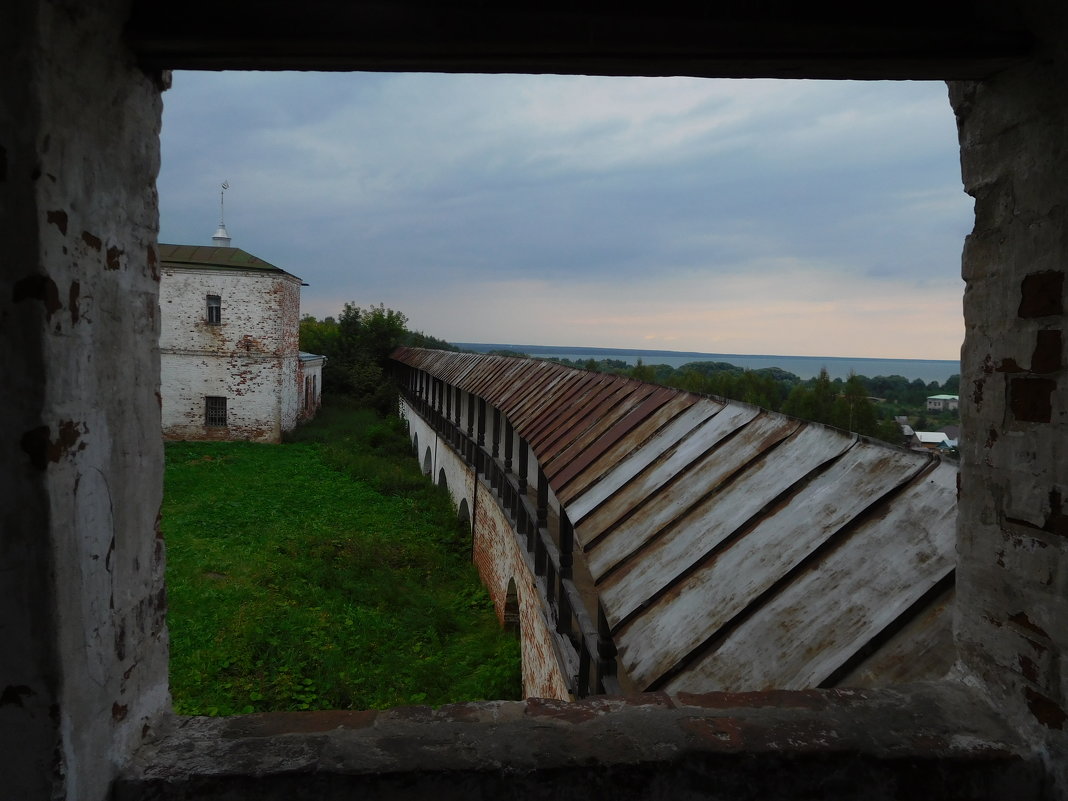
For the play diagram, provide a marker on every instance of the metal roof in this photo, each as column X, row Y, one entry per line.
column 215, row 258
column 931, row 436
column 733, row 547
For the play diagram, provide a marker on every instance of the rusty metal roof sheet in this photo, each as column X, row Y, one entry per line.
column 733, row 547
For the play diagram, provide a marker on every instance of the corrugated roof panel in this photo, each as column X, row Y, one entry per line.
column 541, row 393
column 599, row 432
column 613, row 481
column 854, row 591
column 705, row 525
column 587, row 465
column 516, row 387
column 575, row 399
column 626, row 521
column 583, row 426
column 730, row 579
column 921, row 650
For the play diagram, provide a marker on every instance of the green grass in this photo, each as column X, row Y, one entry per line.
column 324, row 573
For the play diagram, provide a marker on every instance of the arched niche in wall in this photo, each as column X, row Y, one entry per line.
column 463, row 513
column 511, row 608
column 428, row 462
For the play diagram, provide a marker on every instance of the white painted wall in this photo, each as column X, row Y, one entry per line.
column 250, row 357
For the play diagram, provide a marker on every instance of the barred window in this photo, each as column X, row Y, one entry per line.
column 214, row 411
column 214, row 309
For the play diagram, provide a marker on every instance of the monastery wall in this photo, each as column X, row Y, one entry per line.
column 499, row 557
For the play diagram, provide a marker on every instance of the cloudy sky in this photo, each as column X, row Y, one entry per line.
column 764, row 217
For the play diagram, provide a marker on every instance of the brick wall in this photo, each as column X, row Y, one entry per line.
column 499, row 558
column 497, row 554
column 1013, row 527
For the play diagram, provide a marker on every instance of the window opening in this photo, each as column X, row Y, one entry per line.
column 427, row 461
column 214, row 310
column 214, row 411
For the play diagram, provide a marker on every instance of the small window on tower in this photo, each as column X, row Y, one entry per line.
column 214, row 411
column 214, row 310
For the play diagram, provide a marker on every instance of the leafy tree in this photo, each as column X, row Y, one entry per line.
column 853, row 411
column 318, row 336
column 357, row 346
column 642, row 372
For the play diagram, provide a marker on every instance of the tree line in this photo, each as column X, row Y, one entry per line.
column 861, row 404
column 358, row 342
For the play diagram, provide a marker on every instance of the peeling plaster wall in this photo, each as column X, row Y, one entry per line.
column 250, row 358
column 84, row 657
column 1013, row 528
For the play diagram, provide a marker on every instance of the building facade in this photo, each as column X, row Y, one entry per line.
column 943, row 403
column 229, row 358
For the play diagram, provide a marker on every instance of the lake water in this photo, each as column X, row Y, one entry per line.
column 926, row 370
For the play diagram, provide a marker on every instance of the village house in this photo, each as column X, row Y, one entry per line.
column 943, row 403
column 230, row 365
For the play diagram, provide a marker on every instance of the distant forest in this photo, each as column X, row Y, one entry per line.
column 861, row 404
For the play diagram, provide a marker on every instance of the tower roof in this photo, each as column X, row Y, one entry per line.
column 216, row 258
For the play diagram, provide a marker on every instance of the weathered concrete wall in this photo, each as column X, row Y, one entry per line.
column 923, row 742
column 83, row 662
column 250, row 358
column 499, row 558
column 1013, row 531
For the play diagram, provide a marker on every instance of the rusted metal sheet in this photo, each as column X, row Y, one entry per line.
column 920, row 650
column 624, row 470
column 584, row 423
column 587, row 464
column 574, row 396
column 667, row 489
column 731, row 579
column 843, row 599
column 734, row 548
column 715, row 517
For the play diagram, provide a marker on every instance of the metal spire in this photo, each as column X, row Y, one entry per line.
column 221, row 238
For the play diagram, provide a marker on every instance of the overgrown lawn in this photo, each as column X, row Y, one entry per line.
column 324, row 573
